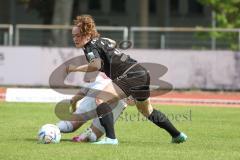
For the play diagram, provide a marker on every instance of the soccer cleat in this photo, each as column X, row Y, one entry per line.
column 107, row 140
column 180, row 139
column 82, row 137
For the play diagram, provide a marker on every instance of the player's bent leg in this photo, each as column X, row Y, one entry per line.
column 97, row 130
column 84, row 105
column 68, row 126
column 116, row 114
column 110, row 95
column 89, row 135
column 160, row 119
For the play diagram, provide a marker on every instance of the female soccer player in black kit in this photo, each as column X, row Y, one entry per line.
column 128, row 79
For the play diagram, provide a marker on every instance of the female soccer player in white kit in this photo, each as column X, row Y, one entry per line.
column 96, row 130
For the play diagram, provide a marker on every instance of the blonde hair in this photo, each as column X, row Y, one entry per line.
column 86, row 26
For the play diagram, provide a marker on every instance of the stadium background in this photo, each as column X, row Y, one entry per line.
column 202, row 57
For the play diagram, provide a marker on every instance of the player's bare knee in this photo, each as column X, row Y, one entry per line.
column 145, row 108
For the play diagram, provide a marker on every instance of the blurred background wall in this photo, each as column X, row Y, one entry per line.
column 108, row 12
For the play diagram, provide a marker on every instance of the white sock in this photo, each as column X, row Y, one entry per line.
column 90, row 135
column 65, row 126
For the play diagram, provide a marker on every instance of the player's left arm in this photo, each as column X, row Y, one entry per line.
column 94, row 65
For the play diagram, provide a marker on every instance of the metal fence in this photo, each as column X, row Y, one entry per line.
column 48, row 35
column 185, row 38
column 6, row 34
column 141, row 37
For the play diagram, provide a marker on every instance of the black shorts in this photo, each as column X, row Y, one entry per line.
column 135, row 82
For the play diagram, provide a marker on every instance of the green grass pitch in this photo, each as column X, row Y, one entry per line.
column 214, row 133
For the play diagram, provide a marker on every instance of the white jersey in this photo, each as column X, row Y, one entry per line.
column 88, row 103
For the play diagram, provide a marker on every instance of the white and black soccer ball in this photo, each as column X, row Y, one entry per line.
column 49, row 133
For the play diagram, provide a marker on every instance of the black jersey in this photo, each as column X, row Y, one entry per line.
column 114, row 63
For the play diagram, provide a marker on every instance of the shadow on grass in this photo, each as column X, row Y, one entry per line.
column 124, row 142
column 35, row 140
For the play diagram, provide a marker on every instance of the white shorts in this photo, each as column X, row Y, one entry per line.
column 88, row 103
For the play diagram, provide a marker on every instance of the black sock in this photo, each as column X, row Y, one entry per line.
column 105, row 115
column 162, row 121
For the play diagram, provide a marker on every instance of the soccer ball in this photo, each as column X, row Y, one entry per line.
column 49, row 133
